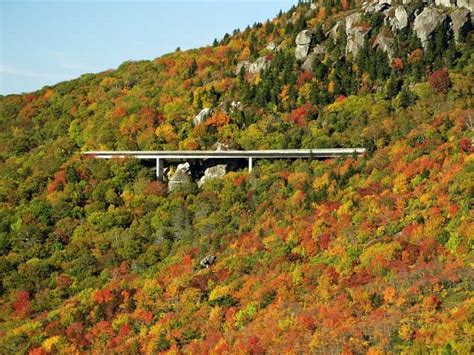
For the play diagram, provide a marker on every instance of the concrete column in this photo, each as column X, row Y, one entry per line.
column 159, row 169
column 250, row 164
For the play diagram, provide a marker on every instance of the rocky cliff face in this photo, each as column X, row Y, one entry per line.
column 390, row 17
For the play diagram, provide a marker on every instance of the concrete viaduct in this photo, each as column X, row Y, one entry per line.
column 250, row 155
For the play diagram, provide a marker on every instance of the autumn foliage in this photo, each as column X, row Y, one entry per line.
column 440, row 81
column 366, row 254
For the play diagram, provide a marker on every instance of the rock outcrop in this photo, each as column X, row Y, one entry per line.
column 380, row 6
column 208, row 261
column 460, row 19
column 319, row 49
column 426, row 23
column 352, row 21
column 468, row 4
column 356, row 35
column 256, row 67
column 303, row 44
column 215, row 172
column 312, row 57
column 242, row 65
column 309, row 62
column 333, row 32
column 202, row 116
column 386, row 44
column 259, row 65
column 180, row 176
column 271, row 46
column 399, row 20
column 445, row 3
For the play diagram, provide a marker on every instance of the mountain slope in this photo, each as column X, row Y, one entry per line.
column 368, row 254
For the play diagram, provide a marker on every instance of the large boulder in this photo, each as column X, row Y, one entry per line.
column 202, row 116
column 208, row 261
column 460, row 19
column 385, row 43
column 215, row 172
column 399, row 20
column 426, row 23
column 301, row 52
column 180, row 176
column 303, row 44
column 304, row 37
column 259, row 65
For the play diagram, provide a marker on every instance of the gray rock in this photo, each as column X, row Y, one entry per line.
column 235, row 105
column 208, row 261
column 368, row 9
column 445, row 3
column 259, row 65
column 319, row 49
column 302, row 51
column 308, row 63
column 356, row 41
column 220, row 146
column 215, row 172
column 202, row 116
column 333, row 32
column 355, row 34
column 386, row 44
column 304, row 37
column 426, row 22
column 399, row 21
column 180, row 176
column 242, row 65
column 382, row 6
column 468, row 4
column 271, row 46
column 352, row 21
column 460, row 18
column 303, row 44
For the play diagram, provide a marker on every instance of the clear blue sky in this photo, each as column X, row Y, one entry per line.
column 45, row 42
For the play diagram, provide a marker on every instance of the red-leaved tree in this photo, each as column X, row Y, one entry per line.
column 440, row 81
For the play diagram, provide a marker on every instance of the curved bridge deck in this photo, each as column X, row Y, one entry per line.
column 160, row 156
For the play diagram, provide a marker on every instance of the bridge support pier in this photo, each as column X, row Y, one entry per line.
column 250, row 164
column 159, row 169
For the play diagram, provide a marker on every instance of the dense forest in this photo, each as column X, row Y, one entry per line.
column 369, row 254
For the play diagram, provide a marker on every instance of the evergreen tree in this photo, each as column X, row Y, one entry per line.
column 393, row 87
column 192, row 68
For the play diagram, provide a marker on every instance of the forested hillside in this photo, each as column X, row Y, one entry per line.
column 369, row 254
